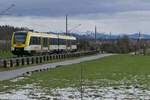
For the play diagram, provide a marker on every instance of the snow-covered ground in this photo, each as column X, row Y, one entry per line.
column 95, row 90
column 30, row 92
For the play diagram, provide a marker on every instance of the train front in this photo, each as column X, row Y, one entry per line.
column 19, row 42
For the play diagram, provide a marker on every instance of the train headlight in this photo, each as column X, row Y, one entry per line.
column 27, row 48
column 12, row 49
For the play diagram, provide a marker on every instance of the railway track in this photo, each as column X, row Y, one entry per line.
column 38, row 55
column 33, row 60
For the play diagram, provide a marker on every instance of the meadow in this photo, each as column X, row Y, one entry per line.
column 113, row 71
column 117, row 67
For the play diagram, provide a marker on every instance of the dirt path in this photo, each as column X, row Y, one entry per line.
column 18, row 72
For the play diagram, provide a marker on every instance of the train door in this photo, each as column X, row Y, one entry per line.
column 69, row 45
column 45, row 44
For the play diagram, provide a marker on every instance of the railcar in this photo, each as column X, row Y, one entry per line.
column 29, row 43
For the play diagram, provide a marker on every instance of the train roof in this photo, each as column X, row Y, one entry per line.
column 52, row 35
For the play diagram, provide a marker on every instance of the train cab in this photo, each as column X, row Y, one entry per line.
column 19, row 42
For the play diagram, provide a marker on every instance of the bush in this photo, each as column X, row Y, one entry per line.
column 122, row 45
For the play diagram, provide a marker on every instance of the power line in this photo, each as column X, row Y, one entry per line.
column 7, row 9
column 4, row 13
column 74, row 28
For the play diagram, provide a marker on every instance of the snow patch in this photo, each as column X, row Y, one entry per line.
column 32, row 92
column 17, row 79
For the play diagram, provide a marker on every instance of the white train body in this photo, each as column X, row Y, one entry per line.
column 31, row 42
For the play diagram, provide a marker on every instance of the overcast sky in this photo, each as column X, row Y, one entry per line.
column 116, row 16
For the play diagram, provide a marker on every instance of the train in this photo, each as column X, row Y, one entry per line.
column 31, row 43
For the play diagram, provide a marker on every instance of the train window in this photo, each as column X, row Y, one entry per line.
column 62, row 42
column 20, row 37
column 73, row 42
column 39, row 40
column 35, row 41
column 50, row 41
column 69, row 42
column 32, row 41
column 45, row 42
column 54, row 41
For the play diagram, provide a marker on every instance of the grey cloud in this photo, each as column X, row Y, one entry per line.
column 73, row 7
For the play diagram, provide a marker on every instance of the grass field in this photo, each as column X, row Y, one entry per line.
column 112, row 68
column 5, row 54
column 109, row 71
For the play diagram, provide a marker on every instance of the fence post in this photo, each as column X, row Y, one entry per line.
column 12, row 63
column 37, row 59
column 47, row 58
column 6, row 63
column 2, row 63
column 18, row 62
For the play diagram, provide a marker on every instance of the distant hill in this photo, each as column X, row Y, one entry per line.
column 136, row 36
column 4, row 30
column 90, row 35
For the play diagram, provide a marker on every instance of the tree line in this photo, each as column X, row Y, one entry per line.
column 6, row 31
column 121, row 45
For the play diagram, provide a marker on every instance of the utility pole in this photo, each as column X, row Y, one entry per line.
column 95, row 34
column 141, row 45
column 67, row 32
column 66, row 24
column 110, row 36
column 139, row 41
column 138, row 44
column 95, row 37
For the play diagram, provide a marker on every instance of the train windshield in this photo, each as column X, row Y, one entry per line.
column 20, row 37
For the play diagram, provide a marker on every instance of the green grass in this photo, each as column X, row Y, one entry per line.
column 6, row 54
column 117, row 69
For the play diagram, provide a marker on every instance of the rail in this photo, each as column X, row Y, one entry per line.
column 33, row 60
